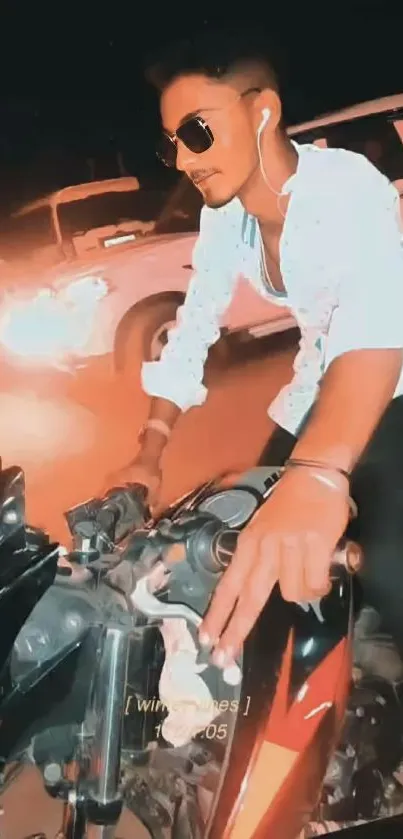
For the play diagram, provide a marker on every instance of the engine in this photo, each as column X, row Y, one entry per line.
column 364, row 780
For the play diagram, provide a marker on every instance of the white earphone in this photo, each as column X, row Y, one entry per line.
column 266, row 114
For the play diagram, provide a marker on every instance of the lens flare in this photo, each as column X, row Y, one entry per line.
column 54, row 324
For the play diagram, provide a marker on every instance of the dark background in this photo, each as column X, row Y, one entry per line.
column 72, row 95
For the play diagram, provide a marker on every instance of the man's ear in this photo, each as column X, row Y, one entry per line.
column 267, row 100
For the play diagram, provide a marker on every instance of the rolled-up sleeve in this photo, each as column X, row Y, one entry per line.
column 369, row 312
column 178, row 375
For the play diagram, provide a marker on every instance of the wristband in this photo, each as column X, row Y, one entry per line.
column 155, row 425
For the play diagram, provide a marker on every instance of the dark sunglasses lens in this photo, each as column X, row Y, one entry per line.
column 166, row 151
column 195, row 135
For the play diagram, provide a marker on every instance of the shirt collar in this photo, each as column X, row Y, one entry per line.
column 302, row 151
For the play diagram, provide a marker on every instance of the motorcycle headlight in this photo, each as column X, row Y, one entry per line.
column 55, row 323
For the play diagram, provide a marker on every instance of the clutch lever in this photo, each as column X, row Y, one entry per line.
column 143, row 599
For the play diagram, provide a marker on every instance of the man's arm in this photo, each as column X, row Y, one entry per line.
column 365, row 341
column 354, row 395
column 176, row 381
column 292, row 538
column 153, row 441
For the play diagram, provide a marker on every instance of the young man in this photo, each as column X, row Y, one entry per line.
column 317, row 230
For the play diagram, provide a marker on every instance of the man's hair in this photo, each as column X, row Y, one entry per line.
column 220, row 55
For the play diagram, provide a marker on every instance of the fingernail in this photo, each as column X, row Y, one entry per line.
column 222, row 658
column 205, row 640
column 233, row 675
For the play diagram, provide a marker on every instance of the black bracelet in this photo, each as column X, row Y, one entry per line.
column 316, row 464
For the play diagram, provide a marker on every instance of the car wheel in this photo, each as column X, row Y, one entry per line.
column 144, row 332
column 158, row 340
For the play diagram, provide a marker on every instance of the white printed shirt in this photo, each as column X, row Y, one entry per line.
column 341, row 260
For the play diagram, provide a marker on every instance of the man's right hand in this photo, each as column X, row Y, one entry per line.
column 145, row 468
column 142, row 470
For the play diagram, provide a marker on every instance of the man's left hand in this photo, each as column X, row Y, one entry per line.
column 291, row 540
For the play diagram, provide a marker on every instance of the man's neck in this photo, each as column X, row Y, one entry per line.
column 261, row 200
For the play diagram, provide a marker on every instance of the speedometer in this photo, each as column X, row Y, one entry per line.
column 234, row 507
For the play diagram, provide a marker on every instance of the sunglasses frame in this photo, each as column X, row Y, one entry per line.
column 175, row 137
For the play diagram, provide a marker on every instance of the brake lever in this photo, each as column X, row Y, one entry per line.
column 146, row 602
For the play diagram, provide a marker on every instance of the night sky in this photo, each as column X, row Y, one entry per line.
column 71, row 86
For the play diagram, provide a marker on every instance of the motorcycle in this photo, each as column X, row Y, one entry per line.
column 103, row 685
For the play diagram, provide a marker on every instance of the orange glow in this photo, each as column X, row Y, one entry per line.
column 70, row 432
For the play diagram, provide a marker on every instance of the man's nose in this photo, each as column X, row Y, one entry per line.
column 184, row 158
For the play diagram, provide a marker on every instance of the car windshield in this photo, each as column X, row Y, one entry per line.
column 23, row 234
column 110, row 209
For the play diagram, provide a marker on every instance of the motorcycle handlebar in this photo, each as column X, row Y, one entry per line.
column 224, row 541
column 99, row 525
column 121, row 507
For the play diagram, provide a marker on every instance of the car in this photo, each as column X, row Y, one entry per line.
column 108, row 292
column 84, row 282
column 76, row 220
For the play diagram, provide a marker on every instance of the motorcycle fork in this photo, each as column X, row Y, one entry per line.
column 94, row 804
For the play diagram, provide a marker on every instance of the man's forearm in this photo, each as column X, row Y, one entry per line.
column 154, row 442
column 354, row 395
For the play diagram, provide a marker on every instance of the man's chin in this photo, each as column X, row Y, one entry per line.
column 212, row 197
column 215, row 201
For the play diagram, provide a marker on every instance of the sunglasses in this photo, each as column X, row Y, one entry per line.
column 195, row 133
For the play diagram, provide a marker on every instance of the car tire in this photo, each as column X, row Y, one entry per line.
column 143, row 334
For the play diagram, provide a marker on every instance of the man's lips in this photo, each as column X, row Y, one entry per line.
column 202, row 178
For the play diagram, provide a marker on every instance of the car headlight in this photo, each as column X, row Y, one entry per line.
column 53, row 324
column 84, row 291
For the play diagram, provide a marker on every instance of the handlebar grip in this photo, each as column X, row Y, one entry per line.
column 123, row 509
column 98, row 525
column 224, row 542
column 223, row 548
column 140, row 490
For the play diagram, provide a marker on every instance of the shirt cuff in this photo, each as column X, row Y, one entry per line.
column 158, row 383
column 291, row 406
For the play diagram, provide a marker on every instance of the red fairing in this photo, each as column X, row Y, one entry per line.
column 285, row 775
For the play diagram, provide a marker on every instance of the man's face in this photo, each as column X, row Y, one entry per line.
column 222, row 170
